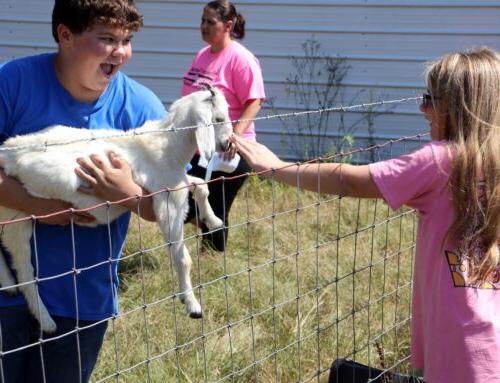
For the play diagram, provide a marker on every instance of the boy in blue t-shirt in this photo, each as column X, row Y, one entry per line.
column 79, row 86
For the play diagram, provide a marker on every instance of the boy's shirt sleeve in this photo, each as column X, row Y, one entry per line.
column 412, row 179
column 3, row 113
column 152, row 107
column 5, row 102
column 156, row 110
column 141, row 105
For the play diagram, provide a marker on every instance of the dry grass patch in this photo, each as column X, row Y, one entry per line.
column 305, row 279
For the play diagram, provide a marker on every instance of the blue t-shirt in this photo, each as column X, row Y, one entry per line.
column 32, row 98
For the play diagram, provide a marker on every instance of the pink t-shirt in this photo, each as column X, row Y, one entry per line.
column 455, row 326
column 235, row 71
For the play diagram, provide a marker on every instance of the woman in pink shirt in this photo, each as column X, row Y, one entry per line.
column 229, row 66
column 454, row 183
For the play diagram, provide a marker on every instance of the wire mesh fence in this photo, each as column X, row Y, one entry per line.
column 306, row 279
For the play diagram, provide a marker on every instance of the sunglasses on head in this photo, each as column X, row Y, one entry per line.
column 427, row 100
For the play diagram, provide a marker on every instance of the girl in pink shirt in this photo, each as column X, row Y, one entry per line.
column 225, row 64
column 454, row 184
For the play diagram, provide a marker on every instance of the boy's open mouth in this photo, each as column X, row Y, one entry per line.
column 108, row 69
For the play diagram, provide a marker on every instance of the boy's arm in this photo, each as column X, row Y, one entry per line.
column 14, row 196
column 331, row 178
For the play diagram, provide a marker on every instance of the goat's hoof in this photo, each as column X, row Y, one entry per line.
column 48, row 325
column 196, row 315
column 214, row 223
column 194, row 309
column 49, row 328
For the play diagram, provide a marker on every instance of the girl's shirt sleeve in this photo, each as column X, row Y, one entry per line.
column 249, row 83
column 413, row 179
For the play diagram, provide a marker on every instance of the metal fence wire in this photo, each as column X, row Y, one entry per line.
column 305, row 280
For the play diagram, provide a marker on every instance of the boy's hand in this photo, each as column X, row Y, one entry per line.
column 109, row 181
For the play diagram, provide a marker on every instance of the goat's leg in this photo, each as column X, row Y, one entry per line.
column 172, row 226
column 200, row 192
column 16, row 238
column 7, row 280
column 182, row 263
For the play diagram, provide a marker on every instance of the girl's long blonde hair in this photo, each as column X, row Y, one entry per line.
column 465, row 89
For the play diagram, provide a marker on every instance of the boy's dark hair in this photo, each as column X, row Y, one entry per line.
column 80, row 15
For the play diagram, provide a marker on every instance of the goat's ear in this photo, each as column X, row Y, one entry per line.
column 205, row 138
column 208, row 87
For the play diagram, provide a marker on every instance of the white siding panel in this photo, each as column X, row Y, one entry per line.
column 395, row 125
column 13, row 52
column 283, row 44
column 362, row 73
column 331, row 18
column 386, row 44
column 351, row 3
column 30, row 34
column 168, row 90
column 23, row 10
column 388, row 19
column 361, row 45
column 395, row 46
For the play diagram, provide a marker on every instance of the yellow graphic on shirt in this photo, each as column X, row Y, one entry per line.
column 459, row 268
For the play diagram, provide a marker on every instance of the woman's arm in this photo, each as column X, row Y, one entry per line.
column 252, row 107
column 250, row 111
column 331, row 178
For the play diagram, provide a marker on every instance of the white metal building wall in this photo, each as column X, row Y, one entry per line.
column 385, row 42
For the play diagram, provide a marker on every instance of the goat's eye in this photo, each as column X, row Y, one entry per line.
column 219, row 120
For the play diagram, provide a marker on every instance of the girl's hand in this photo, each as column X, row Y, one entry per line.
column 258, row 156
column 230, row 153
column 109, row 181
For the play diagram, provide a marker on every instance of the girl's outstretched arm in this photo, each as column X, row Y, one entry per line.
column 331, row 178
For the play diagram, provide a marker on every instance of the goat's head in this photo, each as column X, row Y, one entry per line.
column 208, row 110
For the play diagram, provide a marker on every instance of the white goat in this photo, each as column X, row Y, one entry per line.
column 157, row 160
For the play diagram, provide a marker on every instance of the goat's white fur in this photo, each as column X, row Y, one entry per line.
column 157, row 161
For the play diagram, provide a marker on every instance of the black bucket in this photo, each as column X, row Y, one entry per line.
column 348, row 371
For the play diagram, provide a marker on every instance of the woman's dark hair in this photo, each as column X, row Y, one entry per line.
column 80, row 15
column 227, row 12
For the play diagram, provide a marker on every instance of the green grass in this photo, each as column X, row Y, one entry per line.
column 305, row 279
